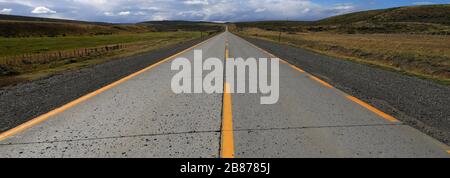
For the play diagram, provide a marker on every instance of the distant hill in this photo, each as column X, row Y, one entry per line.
column 430, row 19
column 4, row 17
column 176, row 22
column 21, row 26
column 183, row 25
column 437, row 14
column 275, row 25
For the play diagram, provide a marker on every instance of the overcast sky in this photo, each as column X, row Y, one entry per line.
column 129, row 11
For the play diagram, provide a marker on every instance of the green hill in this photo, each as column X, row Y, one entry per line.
column 428, row 19
column 437, row 14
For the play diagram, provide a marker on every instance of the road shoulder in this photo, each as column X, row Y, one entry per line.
column 419, row 103
column 28, row 100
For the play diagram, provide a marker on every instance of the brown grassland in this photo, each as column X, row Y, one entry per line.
column 425, row 56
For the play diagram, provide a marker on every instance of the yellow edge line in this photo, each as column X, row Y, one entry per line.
column 320, row 81
column 448, row 151
column 362, row 103
column 375, row 110
column 67, row 106
column 227, row 141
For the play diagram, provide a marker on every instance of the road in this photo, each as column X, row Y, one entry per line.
column 140, row 116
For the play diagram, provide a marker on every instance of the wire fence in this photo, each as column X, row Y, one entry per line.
column 47, row 57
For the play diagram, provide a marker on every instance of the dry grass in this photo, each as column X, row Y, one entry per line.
column 35, row 70
column 426, row 56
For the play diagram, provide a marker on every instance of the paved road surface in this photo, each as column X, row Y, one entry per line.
column 142, row 117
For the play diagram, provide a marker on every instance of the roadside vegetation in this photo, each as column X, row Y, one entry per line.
column 35, row 45
column 422, row 52
column 32, row 48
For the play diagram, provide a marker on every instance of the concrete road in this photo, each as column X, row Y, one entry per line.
column 142, row 117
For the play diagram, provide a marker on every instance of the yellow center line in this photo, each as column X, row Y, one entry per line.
column 67, row 106
column 227, row 142
column 227, row 149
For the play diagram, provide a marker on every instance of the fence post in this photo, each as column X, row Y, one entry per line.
column 17, row 59
column 14, row 61
column 279, row 37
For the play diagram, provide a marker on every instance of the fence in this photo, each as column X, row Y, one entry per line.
column 47, row 57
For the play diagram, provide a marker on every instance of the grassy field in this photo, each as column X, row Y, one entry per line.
column 31, row 70
column 18, row 46
column 426, row 56
column 32, row 47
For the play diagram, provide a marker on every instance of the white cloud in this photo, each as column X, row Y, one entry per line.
column 423, row 3
column 344, row 7
column 42, row 10
column 204, row 10
column 140, row 13
column 196, row 2
column 159, row 18
column 124, row 13
column 260, row 10
column 108, row 14
column 150, row 8
column 6, row 11
column 339, row 9
column 103, row 5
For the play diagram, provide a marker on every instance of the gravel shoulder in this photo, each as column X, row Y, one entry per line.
column 25, row 101
column 421, row 104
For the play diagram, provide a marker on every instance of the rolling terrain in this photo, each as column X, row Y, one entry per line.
column 33, row 48
column 410, row 40
column 19, row 26
column 429, row 19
